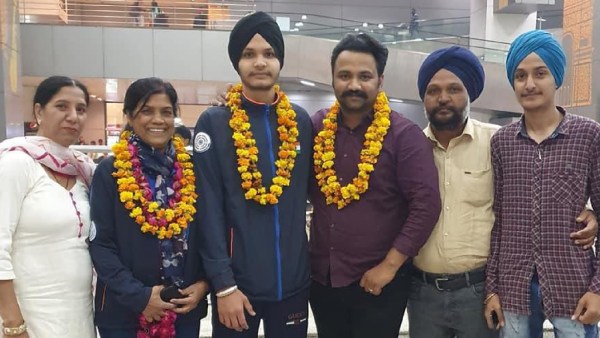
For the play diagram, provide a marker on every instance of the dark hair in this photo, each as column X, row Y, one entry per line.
column 139, row 93
column 184, row 132
column 52, row 85
column 362, row 43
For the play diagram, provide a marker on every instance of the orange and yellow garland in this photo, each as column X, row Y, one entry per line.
column 136, row 195
column 324, row 154
column 247, row 152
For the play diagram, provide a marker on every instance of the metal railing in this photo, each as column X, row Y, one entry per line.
column 217, row 15
column 426, row 36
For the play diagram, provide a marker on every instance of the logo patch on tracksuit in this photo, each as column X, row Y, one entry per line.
column 202, row 142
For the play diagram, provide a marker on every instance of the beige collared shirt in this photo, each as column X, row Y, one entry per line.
column 460, row 240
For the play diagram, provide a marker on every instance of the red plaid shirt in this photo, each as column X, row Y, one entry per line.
column 539, row 191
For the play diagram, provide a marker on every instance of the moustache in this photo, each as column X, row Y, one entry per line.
column 438, row 109
column 356, row 93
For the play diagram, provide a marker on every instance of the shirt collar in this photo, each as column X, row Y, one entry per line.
column 562, row 129
column 256, row 103
column 468, row 130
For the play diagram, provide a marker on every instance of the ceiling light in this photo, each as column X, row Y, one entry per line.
column 307, row 83
column 380, row 26
column 365, row 24
column 396, row 100
column 304, row 17
column 299, row 24
column 356, row 29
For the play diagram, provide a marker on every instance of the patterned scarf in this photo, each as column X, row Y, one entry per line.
column 53, row 156
column 158, row 167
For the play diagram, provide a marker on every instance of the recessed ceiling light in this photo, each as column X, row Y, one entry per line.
column 304, row 17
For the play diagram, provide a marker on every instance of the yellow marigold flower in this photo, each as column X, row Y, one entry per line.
column 135, row 212
column 125, row 196
column 275, row 189
column 327, row 164
column 328, row 156
column 152, row 206
column 250, row 193
column 169, row 214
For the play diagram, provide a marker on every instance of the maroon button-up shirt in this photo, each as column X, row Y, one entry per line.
column 539, row 191
column 399, row 209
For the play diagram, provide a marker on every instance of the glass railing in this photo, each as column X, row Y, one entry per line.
column 425, row 37
column 420, row 36
column 178, row 14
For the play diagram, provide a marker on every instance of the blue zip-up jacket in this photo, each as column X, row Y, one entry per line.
column 128, row 261
column 261, row 249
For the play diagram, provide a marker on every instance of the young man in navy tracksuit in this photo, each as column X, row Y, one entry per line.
column 255, row 252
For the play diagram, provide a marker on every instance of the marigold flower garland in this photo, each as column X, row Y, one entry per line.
column 136, row 195
column 324, row 154
column 247, row 151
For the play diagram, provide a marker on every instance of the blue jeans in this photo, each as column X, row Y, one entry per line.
column 520, row 326
column 188, row 330
column 447, row 314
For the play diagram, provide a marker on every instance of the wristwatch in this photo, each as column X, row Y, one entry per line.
column 14, row 331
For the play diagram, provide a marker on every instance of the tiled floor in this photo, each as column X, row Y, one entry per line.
column 206, row 327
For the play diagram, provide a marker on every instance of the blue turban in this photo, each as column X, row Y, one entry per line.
column 458, row 60
column 545, row 46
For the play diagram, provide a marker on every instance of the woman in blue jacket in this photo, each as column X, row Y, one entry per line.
column 150, row 279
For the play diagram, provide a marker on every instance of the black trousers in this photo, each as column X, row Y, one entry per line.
column 284, row 319
column 350, row 312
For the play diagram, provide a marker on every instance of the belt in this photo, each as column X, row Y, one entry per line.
column 451, row 282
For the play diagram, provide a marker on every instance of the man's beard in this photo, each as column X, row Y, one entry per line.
column 454, row 122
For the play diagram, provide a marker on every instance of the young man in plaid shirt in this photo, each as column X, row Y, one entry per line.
column 546, row 166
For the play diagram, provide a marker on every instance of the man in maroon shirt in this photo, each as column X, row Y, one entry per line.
column 546, row 166
column 376, row 199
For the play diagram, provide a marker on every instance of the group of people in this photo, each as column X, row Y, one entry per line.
column 481, row 231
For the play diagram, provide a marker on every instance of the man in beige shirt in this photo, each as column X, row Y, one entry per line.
column 447, row 292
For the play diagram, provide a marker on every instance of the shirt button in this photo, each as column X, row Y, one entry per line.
column 331, row 248
column 345, row 155
column 341, row 179
column 447, row 183
column 447, row 208
column 445, row 234
column 332, row 225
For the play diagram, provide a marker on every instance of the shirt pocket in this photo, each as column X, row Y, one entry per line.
column 568, row 186
column 477, row 186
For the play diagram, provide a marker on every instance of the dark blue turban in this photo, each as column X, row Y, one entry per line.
column 250, row 25
column 545, row 46
column 458, row 60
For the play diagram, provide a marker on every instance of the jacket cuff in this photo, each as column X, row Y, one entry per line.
column 222, row 280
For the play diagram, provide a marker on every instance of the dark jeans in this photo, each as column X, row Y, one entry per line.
column 284, row 319
column 447, row 314
column 350, row 312
column 187, row 330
